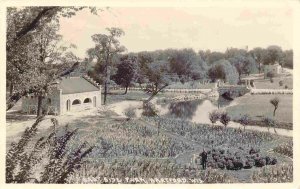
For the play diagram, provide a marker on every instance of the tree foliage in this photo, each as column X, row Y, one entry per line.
column 26, row 27
column 126, row 71
column 107, row 47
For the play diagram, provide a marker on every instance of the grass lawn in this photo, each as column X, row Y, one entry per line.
column 266, row 84
column 259, row 105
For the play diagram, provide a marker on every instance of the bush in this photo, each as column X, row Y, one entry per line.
column 260, row 162
column 130, row 112
column 225, row 118
column 149, row 109
column 50, row 158
column 275, row 173
column 249, row 164
column 214, row 116
column 244, row 120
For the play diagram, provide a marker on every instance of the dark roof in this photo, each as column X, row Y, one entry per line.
column 70, row 85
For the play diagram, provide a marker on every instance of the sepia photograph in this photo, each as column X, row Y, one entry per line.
column 149, row 94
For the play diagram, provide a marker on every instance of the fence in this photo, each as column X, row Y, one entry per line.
column 166, row 90
column 271, row 91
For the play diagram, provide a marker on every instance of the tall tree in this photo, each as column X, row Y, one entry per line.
column 106, row 48
column 158, row 77
column 273, row 54
column 23, row 25
column 258, row 54
column 126, row 71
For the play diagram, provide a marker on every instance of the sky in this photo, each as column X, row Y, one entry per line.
column 214, row 28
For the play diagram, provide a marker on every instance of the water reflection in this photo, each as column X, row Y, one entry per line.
column 196, row 110
column 183, row 110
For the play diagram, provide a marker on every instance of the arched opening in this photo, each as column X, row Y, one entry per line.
column 87, row 100
column 75, row 102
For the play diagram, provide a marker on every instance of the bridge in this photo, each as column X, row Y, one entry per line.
column 233, row 91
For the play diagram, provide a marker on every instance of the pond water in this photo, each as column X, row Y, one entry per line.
column 194, row 110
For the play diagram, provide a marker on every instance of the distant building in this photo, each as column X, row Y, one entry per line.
column 70, row 94
column 275, row 68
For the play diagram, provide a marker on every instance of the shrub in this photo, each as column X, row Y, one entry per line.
column 245, row 120
column 225, row 119
column 130, row 112
column 214, row 116
column 275, row 173
column 238, row 164
column 280, row 83
column 269, row 122
column 51, row 154
column 260, row 162
column 149, row 109
column 249, row 164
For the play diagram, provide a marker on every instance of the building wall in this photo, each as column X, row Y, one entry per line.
column 81, row 97
column 275, row 68
column 33, row 101
column 59, row 101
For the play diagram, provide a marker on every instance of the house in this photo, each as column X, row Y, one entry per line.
column 275, row 68
column 69, row 94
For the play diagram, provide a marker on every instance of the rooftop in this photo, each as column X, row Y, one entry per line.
column 71, row 85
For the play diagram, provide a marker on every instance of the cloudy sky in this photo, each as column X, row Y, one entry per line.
column 214, row 28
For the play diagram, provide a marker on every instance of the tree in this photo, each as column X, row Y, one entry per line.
column 49, row 55
column 225, row 118
column 158, row 77
column 105, row 50
column 223, row 69
column 275, row 102
column 214, row 116
column 243, row 64
column 23, row 25
column 126, row 71
column 273, row 54
column 258, row 54
column 186, row 64
column 244, row 120
column 213, row 57
column 288, row 58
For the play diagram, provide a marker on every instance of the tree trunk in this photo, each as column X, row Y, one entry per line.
column 105, row 92
column 39, row 107
column 155, row 93
column 126, row 90
column 11, row 88
column 274, row 111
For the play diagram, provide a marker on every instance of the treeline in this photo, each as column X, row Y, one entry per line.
column 159, row 68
